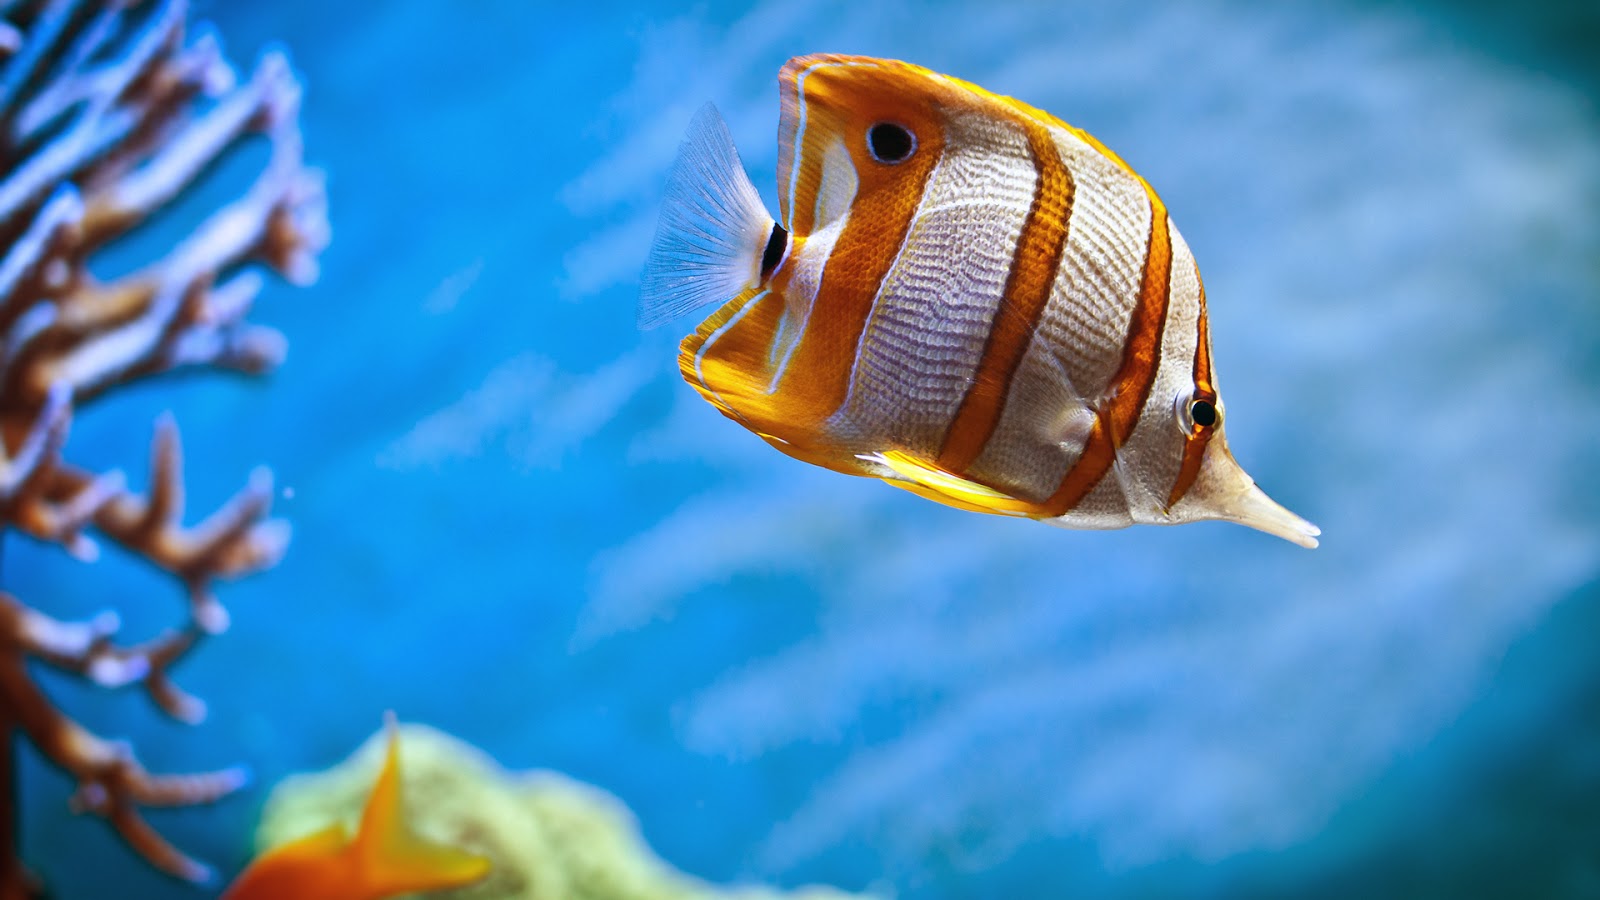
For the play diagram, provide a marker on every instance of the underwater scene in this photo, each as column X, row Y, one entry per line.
column 351, row 519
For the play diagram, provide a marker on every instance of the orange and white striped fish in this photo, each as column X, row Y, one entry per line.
column 967, row 298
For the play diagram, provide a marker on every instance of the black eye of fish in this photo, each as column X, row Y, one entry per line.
column 890, row 143
column 1203, row 413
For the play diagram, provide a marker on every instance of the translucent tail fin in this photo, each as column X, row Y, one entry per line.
column 713, row 228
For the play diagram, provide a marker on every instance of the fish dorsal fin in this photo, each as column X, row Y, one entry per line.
column 713, row 232
column 930, row 481
column 318, row 843
column 394, row 860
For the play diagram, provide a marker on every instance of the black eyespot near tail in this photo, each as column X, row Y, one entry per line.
column 777, row 247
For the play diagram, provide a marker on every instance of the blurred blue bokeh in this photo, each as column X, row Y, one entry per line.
column 514, row 521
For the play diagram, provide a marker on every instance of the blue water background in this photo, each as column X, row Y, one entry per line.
column 515, row 522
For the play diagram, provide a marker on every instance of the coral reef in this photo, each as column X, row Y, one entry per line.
column 108, row 111
column 550, row 838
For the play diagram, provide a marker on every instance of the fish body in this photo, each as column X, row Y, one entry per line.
column 384, row 859
column 963, row 296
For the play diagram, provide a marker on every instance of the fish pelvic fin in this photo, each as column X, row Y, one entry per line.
column 931, row 482
column 394, row 860
column 714, row 236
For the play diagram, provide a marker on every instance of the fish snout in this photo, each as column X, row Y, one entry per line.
column 1224, row 491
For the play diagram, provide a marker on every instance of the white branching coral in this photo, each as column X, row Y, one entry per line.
column 108, row 110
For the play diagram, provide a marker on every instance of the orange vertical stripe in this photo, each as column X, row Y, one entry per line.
column 1116, row 418
column 840, row 104
column 1033, row 273
column 860, row 261
column 790, row 154
column 1194, row 449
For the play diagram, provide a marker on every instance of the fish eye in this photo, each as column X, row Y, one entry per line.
column 890, row 143
column 1198, row 414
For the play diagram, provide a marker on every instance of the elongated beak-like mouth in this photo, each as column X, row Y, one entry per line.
column 1224, row 491
column 1254, row 508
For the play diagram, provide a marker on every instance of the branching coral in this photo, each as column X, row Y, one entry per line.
column 107, row 112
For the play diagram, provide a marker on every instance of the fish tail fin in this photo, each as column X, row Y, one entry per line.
column 393, row 859
column 713, row 232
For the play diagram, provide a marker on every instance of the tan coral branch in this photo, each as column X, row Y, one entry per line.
column 235, row 540
column 107, row 113
column 111, row 782
column 134, row 326
column 86, row 649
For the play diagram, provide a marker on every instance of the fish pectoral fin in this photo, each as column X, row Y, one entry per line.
column 926, row 480
column 393, row 858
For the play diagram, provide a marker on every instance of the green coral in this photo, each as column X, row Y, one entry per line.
column 550, row 837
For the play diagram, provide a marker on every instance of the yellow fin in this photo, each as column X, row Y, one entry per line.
column 936, row 484
column 395, row 860
column 318, row 844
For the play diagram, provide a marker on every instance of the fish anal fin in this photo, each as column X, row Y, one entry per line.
column 728, row 360
column 929, row 481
